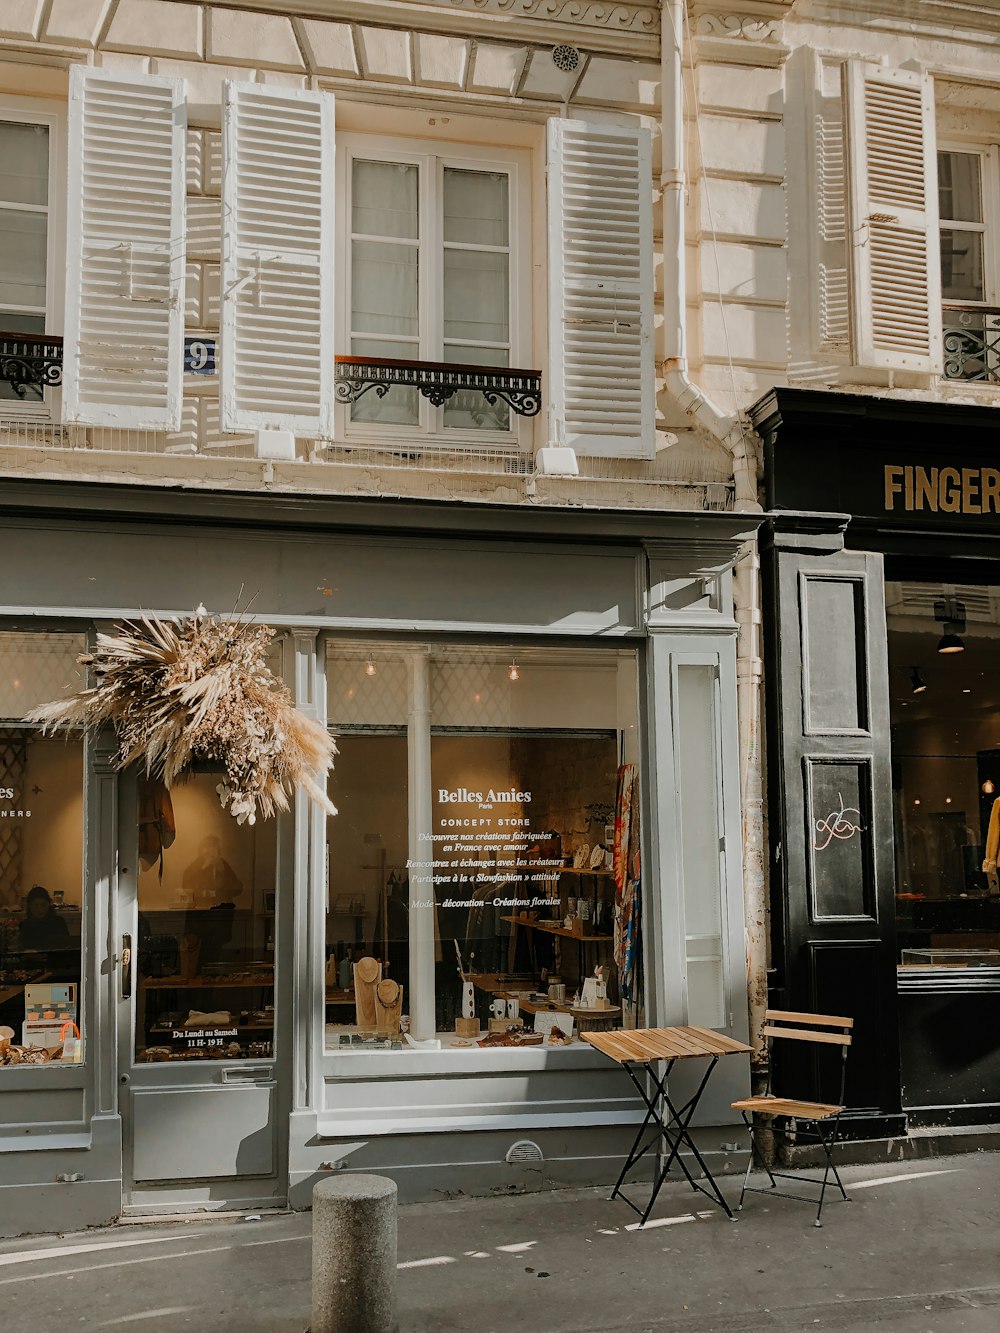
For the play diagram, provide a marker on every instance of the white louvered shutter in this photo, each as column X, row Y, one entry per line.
column 124, row 331
column 602, row 371
column 277, row 260
column 895, row 264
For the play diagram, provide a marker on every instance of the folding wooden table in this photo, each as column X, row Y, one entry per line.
column 642, row 1052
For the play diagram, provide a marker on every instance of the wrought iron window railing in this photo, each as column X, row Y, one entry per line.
column 971, row 342
column 30, row 363
column 438, row 381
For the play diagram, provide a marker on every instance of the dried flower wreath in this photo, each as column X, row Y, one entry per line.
column 201, row 689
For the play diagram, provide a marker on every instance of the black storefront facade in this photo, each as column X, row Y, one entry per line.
column 881, row 566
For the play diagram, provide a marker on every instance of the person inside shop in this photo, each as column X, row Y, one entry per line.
column 209, row 880
column 42, row 930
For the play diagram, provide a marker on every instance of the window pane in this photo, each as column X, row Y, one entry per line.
column 384, row 199
column 24, row 163
column 205, row 948
column 945, row 773
column 959, row 192
column 41, row 858
column 476, row 295
column 476, row 209
column 514, row 881
column 962, row 265
column 23, row 239
column 30, row 393
column 399, row 407
column 384, row 288
column 468, row 409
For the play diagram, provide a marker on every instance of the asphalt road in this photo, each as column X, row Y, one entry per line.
column 916, row 1251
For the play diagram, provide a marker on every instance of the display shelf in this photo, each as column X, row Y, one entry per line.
column 578, row 1010
column 551, row 929
column 586, row 870
column 335, row 995
column 491, row 983
column 199, row 983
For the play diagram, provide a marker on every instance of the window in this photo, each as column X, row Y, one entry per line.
column 486, row 847
column 946, row 771
column 207, row 893
column 30, row 217
column 434, row 273
column 42, row 908
column 968, row 184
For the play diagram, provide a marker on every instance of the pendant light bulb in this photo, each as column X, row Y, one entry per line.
column 917, row 681
column 950, row 642
column 370, row 666
column 513, row 671
column 989, row 787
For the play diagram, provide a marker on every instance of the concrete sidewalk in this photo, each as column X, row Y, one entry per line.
column 916, row 1251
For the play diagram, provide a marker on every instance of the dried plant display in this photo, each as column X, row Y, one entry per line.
column 200, row 690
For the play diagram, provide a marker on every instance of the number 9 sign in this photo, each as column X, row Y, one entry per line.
column 199, row 356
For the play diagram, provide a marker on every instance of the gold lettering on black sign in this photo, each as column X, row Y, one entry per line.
column 946, row 490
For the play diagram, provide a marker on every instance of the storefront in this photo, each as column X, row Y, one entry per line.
column 538, row 831
column 882, row 577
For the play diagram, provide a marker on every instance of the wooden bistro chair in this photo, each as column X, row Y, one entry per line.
column 822, row 1121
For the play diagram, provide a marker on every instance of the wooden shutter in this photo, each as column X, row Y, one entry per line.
column 277, row 260
column 895, row 265
column 602, row 371
column 125, row 251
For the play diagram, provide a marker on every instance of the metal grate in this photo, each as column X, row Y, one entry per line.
column 525, row 1152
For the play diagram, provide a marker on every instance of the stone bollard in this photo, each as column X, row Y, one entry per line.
column 354, row 1255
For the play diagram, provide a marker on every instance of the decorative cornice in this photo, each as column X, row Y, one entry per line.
column 741, row 26
column 586, row 13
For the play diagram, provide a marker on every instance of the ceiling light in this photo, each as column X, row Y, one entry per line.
column 513, row 671
column 989, row 787
column 370, row 666
column 917, row 681
column 950, row 642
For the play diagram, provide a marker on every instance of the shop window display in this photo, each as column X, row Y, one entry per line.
column 41, row 860
column 484, row 882
column 945, row 705
column 205, row 949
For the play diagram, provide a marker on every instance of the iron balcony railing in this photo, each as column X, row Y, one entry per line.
column 971, row 342
column 30, row 363
column 438, row 381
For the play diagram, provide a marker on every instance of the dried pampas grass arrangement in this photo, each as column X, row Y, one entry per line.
column 200, row 689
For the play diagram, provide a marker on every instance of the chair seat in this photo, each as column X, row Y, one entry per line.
column 784, row 1106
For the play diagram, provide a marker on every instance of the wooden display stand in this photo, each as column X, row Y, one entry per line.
column 468, row 1027
column 388, row 1007
column 367, row 975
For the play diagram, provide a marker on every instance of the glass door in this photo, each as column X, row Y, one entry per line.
column 200, row 1047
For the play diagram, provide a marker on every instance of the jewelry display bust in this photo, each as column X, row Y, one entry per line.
column 388, row 1006
column 367, row 975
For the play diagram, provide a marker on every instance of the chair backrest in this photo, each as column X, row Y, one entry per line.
column 822, row 1030
column 786, row 1023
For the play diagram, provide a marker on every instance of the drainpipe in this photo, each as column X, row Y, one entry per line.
column 746, row 580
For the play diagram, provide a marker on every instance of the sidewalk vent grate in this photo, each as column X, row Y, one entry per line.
column 524, row 1151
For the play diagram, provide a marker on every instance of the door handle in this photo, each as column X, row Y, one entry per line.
column 126, row 967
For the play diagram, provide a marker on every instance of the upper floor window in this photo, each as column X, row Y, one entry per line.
column 24, row 224
column 968, row 185
column 436, row 271
column 30, row 216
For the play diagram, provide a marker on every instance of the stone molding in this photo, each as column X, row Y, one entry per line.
column 743, row 27
column 203, row 43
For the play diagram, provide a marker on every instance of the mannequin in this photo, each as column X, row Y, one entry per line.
column 367, row 975
column 388, row 1006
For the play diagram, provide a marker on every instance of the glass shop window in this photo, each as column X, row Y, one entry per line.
column 41, row 858
column 944, row 641
column 205, row 956
column 484, row 880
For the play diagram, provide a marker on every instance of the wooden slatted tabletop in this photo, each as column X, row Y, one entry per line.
column 643, row 1045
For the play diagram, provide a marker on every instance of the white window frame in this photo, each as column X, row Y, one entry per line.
column 431, row 159
column 34, row 111
column 989, row 156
